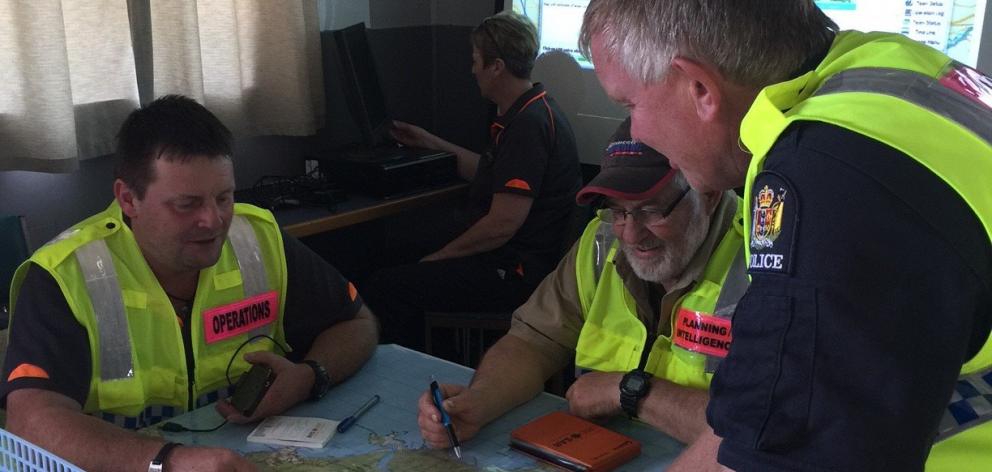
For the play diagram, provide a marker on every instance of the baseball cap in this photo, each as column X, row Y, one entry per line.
column 630, row 170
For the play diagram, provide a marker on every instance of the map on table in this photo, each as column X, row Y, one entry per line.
column 387, row 438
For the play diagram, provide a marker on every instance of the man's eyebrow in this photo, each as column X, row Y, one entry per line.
column 184, row 197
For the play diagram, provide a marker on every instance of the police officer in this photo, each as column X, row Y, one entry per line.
column 863, row 340
column 642, row 302
column 148, row 308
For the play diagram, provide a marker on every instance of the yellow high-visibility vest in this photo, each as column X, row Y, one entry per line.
column 136, row 344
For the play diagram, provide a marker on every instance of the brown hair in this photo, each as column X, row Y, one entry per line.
column 508, row 36
column 171, row 127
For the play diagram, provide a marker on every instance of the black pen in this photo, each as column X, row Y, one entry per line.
column 347, row 422
column 445, row 419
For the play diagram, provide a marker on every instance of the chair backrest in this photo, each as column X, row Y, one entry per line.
column 13, row 251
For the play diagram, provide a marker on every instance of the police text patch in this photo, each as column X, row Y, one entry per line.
column 774, row 209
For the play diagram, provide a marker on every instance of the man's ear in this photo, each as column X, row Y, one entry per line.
column 702, row 84
column 127, row 198
column 498, row 66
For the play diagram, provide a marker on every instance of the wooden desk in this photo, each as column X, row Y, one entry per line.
column 307, row 221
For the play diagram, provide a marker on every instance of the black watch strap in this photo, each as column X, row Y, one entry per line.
column 629, row 404
column 158, row 463
column 321, row 380
column 628, row 398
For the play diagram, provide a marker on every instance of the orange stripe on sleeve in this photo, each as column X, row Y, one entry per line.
column 27, row 370
column 517, row 183
column 352, row 291
column 551, row 117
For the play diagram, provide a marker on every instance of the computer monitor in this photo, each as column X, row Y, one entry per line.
column 362, row 89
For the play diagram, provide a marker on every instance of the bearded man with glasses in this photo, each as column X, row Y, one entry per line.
column 642, row 302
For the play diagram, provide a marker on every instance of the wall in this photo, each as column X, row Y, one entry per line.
column 53, row 202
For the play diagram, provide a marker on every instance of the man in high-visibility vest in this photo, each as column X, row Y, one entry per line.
column 862, row 343
column 642, row 303
column 151, row 307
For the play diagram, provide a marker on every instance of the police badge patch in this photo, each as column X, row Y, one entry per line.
column 774, row 210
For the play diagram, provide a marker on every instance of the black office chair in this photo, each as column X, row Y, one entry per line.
column 475, row 332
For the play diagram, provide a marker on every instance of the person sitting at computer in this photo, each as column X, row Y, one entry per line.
column 521, row 198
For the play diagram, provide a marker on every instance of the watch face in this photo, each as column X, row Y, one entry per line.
column 635, row 383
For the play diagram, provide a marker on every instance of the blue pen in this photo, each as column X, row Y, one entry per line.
column 349, row 421
column 445, row 419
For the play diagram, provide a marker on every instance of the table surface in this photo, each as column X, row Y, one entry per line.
column 307, row 221
column 387, row 438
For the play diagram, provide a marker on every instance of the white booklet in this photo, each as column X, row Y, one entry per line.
column 294, row 431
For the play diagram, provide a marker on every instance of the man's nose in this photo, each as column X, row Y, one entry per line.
column 211, row 215
column 631, row 232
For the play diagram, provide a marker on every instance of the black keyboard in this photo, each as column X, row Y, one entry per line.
column 383, row 155
column 277, row 193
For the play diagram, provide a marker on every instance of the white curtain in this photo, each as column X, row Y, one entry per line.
column 66, row 81
column 71, row 70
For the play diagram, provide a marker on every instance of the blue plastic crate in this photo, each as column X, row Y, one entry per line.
column 19, row 455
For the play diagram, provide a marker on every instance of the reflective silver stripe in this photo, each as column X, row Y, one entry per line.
column 970, row 405
column 601, row 247
column 63, row 236
column 602, row 241
column 108, row 307
column 254, row 280
column 915, row 88
column 734, row 286
column 249, row 254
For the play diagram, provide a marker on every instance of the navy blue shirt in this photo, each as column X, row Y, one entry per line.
column 532, row 153
column 871, row 285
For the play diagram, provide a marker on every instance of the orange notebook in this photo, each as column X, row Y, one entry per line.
column 573, row 443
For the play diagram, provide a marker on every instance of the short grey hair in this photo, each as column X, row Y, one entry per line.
column 751, row 42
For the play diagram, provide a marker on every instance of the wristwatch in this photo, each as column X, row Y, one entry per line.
column 158, row 463
column 633, row 387
column 321, row 380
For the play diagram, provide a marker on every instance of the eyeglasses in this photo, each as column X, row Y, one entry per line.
column 647, row 216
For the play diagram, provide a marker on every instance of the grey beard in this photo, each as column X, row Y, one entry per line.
column 657, row 270
column 674, row 258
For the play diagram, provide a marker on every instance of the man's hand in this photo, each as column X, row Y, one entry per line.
column 291, row 386
column 413, row 136
column 463, row 405
column 595, row 395
column 207, row 459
